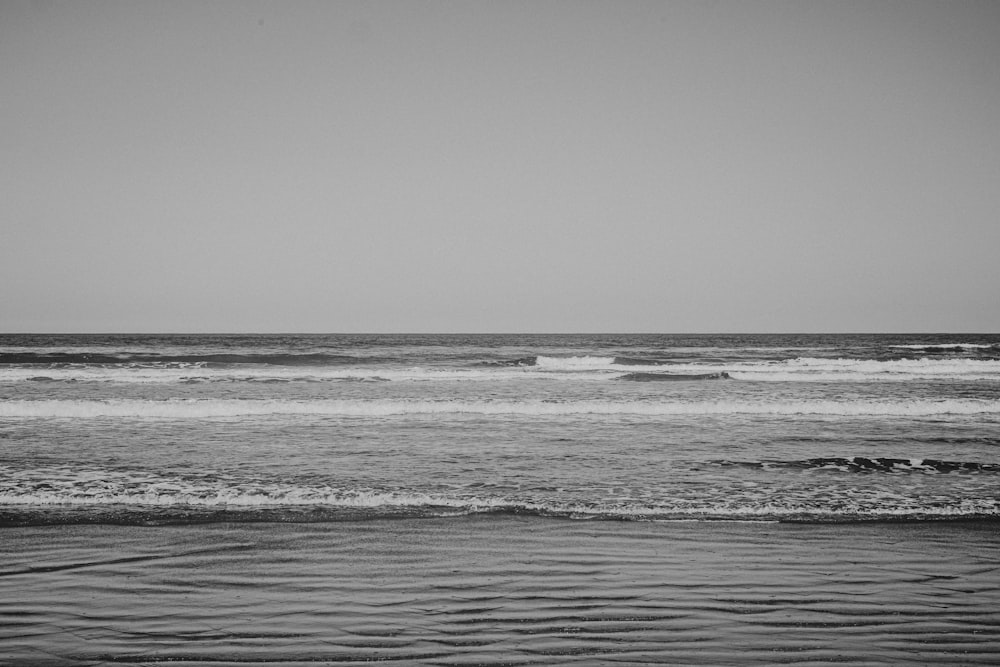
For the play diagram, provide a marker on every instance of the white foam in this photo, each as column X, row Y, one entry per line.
column 582, row 368
column 159, row 374
column 586, row 363
column 62, row 485
column 923, row 365
column 187, row 495
column 864, row 370
column 152, row 374
column 84, row 486
column 223, row 408
column 799, row 369
column 104, row 488
column 575, row 368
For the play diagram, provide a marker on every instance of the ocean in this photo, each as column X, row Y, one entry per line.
column 500, row 499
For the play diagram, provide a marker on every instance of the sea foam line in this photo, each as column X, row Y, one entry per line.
column 211, row 408
column 583, row 368
column 84, row 487
column 432, row 504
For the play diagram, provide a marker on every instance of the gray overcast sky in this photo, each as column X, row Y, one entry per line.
column 500, row 166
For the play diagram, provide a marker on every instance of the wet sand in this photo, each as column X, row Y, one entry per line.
column 501, row 590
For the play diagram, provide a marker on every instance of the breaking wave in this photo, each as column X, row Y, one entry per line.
column 79, row 495
column 329, row 368
column 585, row 363
column 807, row 369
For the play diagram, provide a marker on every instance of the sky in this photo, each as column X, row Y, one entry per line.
column 505, row 166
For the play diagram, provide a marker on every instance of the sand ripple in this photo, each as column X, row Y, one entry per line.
column 501, row 590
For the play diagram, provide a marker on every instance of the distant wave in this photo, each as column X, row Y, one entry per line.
column 673, row 377
column 324, row 367
column 51, row 358
column 639, row 361
column 213, row 408
column 808, row 369
column 574, row 363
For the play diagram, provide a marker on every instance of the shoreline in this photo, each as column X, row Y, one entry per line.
column 134, row 514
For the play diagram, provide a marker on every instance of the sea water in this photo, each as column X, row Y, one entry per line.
column 167, row 429
column 499, row 500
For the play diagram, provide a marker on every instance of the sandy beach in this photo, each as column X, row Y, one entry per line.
column 501, row 590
